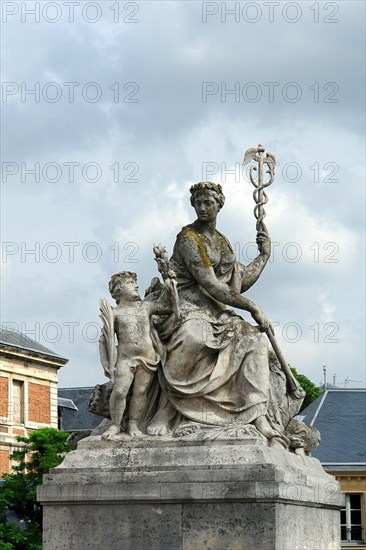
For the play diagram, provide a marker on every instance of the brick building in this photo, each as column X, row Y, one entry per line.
column 28, row 390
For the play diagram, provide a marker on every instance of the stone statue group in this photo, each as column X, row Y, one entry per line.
column 182, row 363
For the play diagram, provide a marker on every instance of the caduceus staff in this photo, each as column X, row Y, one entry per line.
column 261, row 198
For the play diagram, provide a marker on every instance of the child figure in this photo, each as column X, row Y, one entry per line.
column 139, row 350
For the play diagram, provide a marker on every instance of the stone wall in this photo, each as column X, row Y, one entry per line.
column 28, row 398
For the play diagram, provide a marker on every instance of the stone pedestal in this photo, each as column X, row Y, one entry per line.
column 172, row 495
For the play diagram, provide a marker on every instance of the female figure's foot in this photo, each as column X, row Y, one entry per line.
column 157, row 428
column 133, row 430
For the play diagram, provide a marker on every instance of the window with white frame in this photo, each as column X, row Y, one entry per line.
column 351, row 519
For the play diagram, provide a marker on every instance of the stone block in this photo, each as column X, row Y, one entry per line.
column 170, row 495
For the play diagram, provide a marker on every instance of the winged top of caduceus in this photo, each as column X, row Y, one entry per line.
column 254, row 154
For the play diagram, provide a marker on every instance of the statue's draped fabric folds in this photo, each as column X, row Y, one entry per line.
column 216, row 366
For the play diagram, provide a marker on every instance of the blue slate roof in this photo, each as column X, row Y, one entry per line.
column 66, row 403
column 82, row 419
column 15, row 339
column 340, row 416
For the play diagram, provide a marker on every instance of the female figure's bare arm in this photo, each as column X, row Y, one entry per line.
column 201, row 269
column 252, row 271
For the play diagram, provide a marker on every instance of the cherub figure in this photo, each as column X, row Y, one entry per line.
column 138, row 353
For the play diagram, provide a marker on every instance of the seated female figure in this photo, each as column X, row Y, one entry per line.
column 216, row 368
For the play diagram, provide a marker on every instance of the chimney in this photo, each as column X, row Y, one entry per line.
column 325, row 377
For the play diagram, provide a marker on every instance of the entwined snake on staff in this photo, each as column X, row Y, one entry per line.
column 261, row 198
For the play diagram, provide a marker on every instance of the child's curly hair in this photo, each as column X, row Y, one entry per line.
column 118, row 278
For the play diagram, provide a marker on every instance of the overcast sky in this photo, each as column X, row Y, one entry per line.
column 133, row 102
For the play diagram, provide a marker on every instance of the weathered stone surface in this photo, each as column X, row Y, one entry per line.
column 112, row 527
column 165, row 495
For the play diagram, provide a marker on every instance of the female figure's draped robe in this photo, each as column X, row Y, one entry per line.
column 216, row 366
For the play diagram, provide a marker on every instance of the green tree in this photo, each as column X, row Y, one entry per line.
column 43, row 449
column 312, row 391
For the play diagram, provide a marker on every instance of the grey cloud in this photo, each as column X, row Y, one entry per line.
column 168, row 134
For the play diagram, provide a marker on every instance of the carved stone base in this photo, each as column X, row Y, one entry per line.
column 155, row 495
